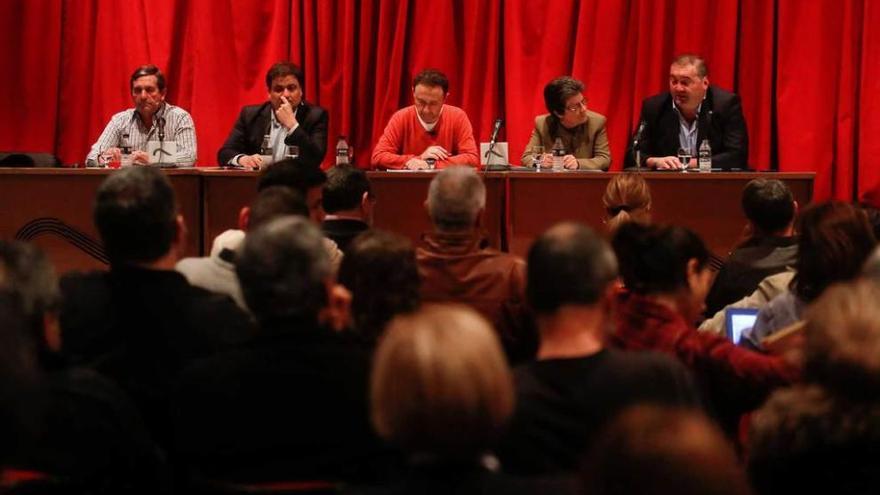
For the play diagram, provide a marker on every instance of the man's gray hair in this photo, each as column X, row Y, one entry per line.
column 455, row 198
column 282, row 269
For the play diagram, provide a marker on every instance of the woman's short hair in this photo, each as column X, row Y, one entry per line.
column 558, row 91
column 440, row 383
column 627, row 198
column 835, row 239
column 654, row 258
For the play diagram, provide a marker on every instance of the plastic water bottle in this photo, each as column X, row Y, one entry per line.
column 705, row 157
column 266, row 148
column 343, row 156
column 558, row 153
column 125, row 149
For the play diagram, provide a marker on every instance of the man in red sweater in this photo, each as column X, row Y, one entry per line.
column 430, row 129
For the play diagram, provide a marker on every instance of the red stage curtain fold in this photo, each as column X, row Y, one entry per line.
column 806, row 71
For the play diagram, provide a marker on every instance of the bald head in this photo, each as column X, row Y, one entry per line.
column 568, row 265
column 455, row 198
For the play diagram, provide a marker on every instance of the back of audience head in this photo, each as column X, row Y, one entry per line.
column 380, row 271
column 28, row 276
column 664, row 260
column 835, row 239
column 307, row 180
column 842, row 340
column 440, row 383
column 136, row 216
column 769, row 206
column 627, row 198
column 568, row 265
column 285, row 272
column 348, row 190
column 650, row 450
column 805, row 439
column 456, row 198
column 270, row 203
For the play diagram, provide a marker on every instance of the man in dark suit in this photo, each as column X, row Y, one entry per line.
column 286, row 118
column 348, row 202
column 690, row 112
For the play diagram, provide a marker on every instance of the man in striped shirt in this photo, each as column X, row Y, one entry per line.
column 151, row 119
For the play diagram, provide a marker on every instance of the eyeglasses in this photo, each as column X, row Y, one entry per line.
column 577, row 106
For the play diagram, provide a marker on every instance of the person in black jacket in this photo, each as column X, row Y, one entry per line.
column 287, row 118
column 690, row 112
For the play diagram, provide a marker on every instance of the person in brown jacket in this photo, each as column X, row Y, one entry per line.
column 456, row 264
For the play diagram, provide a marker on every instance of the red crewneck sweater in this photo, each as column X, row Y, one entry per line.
column 405, row 138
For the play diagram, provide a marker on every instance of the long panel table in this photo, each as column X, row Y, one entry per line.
column 53, row 207
column 707, row 203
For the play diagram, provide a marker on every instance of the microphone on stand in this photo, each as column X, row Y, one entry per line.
column 494, row 137
column 637, row 139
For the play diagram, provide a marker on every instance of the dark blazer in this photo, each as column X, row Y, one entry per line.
column 250, row 127
column 720, row 120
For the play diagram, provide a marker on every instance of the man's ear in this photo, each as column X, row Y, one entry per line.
column 244, row 218
column 52, row 331
column 180, row 235
column 479, row 220
column 337, row 314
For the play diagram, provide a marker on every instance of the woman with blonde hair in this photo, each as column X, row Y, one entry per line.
column 627, row 198
column 441, row 391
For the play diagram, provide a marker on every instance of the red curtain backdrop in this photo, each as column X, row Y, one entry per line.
column 807, row 71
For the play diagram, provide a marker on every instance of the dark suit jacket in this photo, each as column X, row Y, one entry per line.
column 720, row 121
column 247, row 134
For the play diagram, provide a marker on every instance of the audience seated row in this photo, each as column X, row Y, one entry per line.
column 279, row 362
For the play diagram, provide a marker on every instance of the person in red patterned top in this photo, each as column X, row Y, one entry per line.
column 666, row 278
column 429, row 130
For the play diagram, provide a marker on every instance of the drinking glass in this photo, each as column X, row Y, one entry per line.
column 684, row 157
column 537, row 156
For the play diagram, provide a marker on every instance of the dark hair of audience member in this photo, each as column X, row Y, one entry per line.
column 651, row 450
column 283, row 269
column 768, row 204
column 440, row 384
column 28, row 275
column 432, row 78
column 135, row 213
column 627, row 198
column 835, row 239
column 808, row 439
column 276, row 201
column 654, row 259
column 292, row 172
column 380, row 271
column 345, row 188
column 568, row 264
column 842, row 340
